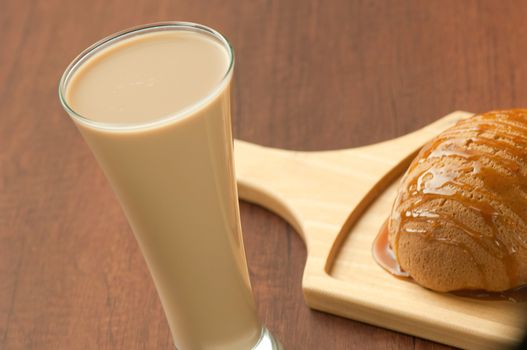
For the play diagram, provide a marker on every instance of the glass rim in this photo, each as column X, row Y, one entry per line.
column 114, row 38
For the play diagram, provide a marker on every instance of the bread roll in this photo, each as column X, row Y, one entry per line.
column 459, row 221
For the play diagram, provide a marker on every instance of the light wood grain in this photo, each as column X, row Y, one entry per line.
column 337, row 201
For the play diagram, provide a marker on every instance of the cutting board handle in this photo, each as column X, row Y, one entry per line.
column 318, row 193
column 257, row 168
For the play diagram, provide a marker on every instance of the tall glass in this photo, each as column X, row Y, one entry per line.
column 173, row 173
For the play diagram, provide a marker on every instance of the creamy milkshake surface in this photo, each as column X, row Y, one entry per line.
column 147, row 77
column 155, row 110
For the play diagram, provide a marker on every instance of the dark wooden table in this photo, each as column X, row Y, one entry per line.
column 309, row 75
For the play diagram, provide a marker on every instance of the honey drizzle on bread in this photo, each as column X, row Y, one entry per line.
column 467, row 190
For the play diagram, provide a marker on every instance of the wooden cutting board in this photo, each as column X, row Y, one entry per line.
column 337, row 201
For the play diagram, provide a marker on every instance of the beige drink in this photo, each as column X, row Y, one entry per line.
column 155, row 110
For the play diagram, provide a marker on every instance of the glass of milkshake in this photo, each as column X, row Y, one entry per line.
column 153, row 104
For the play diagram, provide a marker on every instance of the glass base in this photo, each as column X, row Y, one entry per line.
column 267, row 342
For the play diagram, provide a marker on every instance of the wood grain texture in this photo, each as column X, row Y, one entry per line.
column 310, row 75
